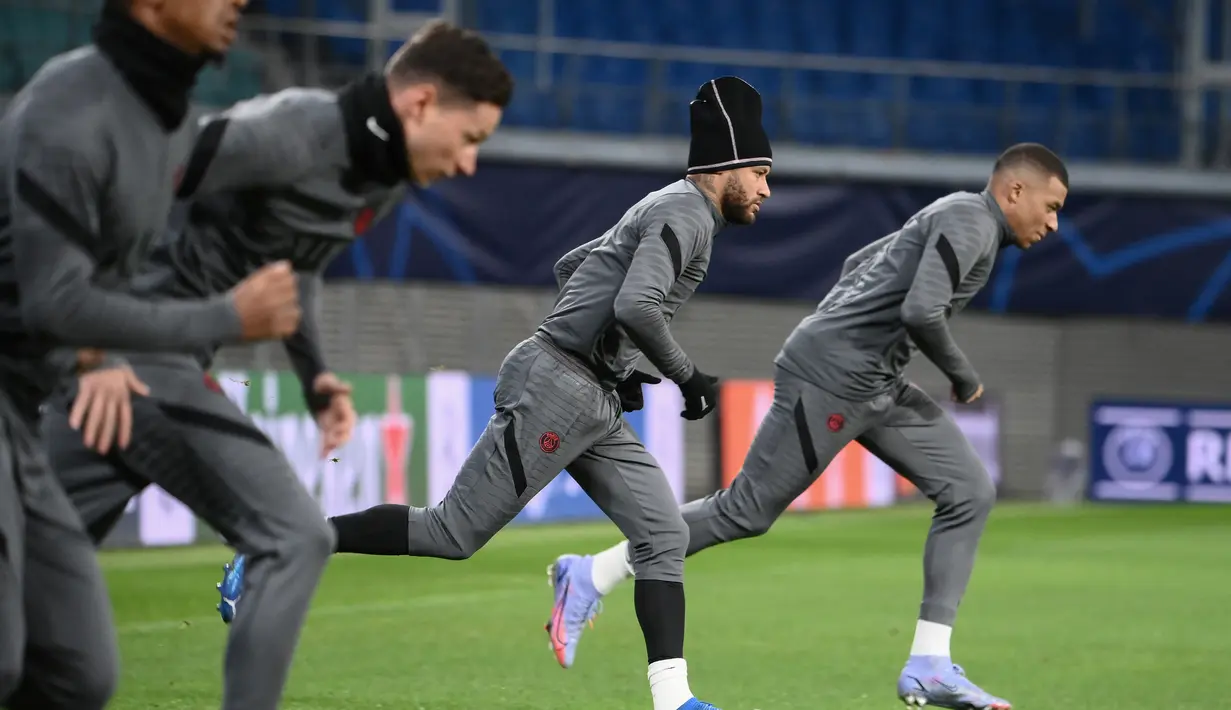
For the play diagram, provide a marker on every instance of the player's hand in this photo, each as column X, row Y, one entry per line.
column 700, row 395
column 337, row 421
column 966, row 395
column 268, row 302
column 631, row 396
column 104, row 406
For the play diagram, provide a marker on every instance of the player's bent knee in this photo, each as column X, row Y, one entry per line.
column 658, row 554
column 312, row 538
column 982, row 495
column 439, row 532
column 673, row 537
column 968, row 499
column 460, row 553
column 461, row 546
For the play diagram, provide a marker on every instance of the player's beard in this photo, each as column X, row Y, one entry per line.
column 736, row 207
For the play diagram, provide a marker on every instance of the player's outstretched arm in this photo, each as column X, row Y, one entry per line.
column 55, row 184
column 669, row 240
column 951, row 251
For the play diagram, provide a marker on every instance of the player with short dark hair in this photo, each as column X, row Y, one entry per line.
column 423, row 112
column 839, row 378
column 560, row 393
column 460, row 62
column 88, row 151
column 294, row 176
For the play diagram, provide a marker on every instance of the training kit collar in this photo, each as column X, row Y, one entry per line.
column 374, row 136
column 161, row 74
column 1007, row 236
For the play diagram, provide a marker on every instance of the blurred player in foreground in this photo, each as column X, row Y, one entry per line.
column 559, row 393
column 839, row 379
column 88, row 151
column 301, row 173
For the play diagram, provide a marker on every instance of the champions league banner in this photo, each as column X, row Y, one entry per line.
column 1160, row 452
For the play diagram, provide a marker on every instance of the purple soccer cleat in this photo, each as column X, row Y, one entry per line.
column 577, row 603
column 939, row 682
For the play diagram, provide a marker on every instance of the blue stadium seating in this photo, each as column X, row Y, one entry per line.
column 965, row 115
column 631, row 96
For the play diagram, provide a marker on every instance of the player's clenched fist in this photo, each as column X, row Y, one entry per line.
column 268, row 302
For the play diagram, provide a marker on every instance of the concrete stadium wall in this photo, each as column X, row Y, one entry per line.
column 1044, row 372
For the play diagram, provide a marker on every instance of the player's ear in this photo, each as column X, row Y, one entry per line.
column 408, row 101
column 1016, row 188
column 426, row 95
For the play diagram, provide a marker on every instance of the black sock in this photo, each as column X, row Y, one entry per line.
column 382, row 530
column 660, row 610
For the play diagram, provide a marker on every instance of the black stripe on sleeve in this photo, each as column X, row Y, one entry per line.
column 203, row 153
column 949, row 257
column 673, row 246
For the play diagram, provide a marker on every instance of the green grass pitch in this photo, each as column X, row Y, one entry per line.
column 1069, row 609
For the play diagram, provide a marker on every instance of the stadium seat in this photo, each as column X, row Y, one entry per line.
column 507, row 16
column 625, row 95
column 677, row 22
column 636, row 21
column 612, row 96
column 415, row 5
column 729, row 24
column 773, row 26
column 527, row 109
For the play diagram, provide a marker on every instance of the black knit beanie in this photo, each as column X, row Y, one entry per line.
column 726, row 127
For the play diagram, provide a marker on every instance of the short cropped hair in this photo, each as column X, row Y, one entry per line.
column 1036, row 156
column 458, row 60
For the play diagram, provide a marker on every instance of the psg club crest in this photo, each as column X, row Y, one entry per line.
column 835, row 422
column 549, row 442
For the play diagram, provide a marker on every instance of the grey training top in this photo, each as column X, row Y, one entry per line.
column 899, row 289
column 297, row 202
column 619, row 292
column 87, row 177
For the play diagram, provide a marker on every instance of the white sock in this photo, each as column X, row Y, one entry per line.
column 610, row 568
column 931, row 639
column 669, row 684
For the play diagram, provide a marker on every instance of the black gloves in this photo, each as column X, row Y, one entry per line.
column 700, row 395
column 631, row 396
